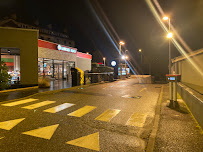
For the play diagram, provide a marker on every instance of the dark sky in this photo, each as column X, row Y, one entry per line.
column 132, row 20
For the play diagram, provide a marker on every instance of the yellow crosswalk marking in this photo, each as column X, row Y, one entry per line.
column 8, row 125
column 59, row 108
column 37, row 105
column 45, row 132
column 90, row 142
column 19, row 102
column 108, row 115
column 137, row 119
column 82, row 111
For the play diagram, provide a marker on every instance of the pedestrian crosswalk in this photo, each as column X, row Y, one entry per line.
column 59, row 108
column 40, row 104
column 82, row 111
column 108, row 115
column 136, row 119
column 19, row 102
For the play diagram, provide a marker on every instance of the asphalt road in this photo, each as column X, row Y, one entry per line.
column 109, row 117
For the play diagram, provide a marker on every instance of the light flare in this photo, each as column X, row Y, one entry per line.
column 176, row 44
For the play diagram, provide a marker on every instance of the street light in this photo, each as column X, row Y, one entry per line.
column 120, row 44
column 104, row 60
column 140, row 50
column 169, row 36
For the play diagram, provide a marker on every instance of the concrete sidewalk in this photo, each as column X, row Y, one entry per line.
column 178, row 131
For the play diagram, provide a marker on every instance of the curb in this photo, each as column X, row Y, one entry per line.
column 152, row 137
column 11, row 90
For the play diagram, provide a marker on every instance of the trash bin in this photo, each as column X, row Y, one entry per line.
column 75, row 77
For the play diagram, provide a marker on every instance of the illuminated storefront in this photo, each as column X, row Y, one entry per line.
column 29, row 58
column 55, row 61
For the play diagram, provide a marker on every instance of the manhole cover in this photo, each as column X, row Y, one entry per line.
column 136, row 97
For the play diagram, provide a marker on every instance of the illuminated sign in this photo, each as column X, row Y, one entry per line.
column 113, row 63
column 172, row 78
column 61, row 48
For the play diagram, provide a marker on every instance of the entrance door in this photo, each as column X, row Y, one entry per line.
column 58, row 71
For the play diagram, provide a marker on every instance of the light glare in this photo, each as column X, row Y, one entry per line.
column 121, row 43
column 169, row 35
column 165, row 18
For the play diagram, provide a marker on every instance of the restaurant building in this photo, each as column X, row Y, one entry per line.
column 28, row 57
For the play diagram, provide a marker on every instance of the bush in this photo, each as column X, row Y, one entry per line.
column 44, row 82
column 4, row 76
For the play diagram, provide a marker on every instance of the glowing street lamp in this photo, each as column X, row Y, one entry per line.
column 169, row 35
column 120, row 44
column 140, row 50
column 104, row 60
column 165, row 18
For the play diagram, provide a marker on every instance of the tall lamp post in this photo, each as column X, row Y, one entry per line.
column 141, row 55
column 126, row 57
column 169, row 36
column 120, row 44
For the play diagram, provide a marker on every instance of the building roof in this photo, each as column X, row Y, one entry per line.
column 179, row 58
column 14, row 23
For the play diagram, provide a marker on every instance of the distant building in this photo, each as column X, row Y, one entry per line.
column 44, row 34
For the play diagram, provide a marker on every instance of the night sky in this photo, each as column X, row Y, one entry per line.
column 131, row 20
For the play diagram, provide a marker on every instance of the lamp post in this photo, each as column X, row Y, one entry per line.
column 104, row 60
column 120, row 44
column 169, row 36
column 141, row 55
column 126, row 57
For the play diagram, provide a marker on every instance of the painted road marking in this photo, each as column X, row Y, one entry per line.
column 59, row 108
column 143, row 89
column 19, row 102
column 90, row 141
column 8, row 125
column 108, row 115
column 137, row 119
column 37, row 105
column 126, row 96
column 45, row 132
column 82, row 111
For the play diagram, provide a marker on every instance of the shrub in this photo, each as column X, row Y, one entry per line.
column 44, row 82
column 4, row 76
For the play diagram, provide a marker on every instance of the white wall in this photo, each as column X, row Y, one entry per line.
column 83, row 63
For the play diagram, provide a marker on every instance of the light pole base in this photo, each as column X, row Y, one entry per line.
column 171, row 104
column 176, row 104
